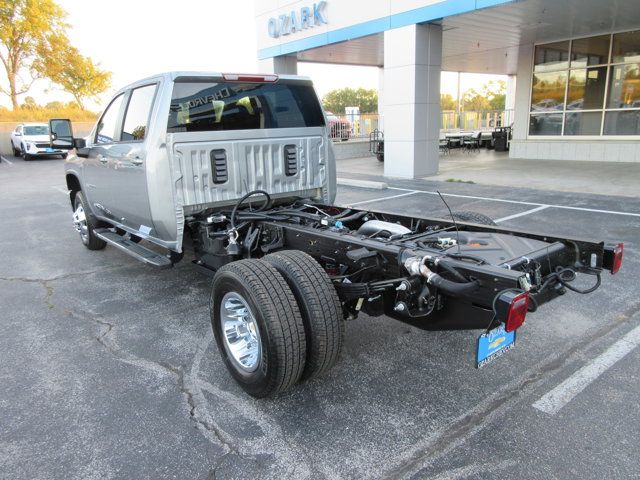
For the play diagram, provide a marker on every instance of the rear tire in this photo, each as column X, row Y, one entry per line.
column 250, row 301
column 474, row 217
column 319, row 305
column 85, row 223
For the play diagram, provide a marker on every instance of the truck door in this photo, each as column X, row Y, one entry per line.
column 129, row 202
column 96, row 166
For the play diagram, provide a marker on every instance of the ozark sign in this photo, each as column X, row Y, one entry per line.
column 296, row 21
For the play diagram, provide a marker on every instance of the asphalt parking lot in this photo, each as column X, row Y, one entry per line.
column 108, row 369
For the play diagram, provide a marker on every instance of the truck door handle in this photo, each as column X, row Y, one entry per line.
column 102, row 159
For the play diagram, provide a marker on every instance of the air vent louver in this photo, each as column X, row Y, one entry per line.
column 290, row 160
column 219, row 166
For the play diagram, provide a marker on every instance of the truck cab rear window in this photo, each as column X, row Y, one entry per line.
column 208, row 106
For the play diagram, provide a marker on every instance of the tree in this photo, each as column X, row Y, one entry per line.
column 75, row 73
column 474, row 101
column 366, row 99
column 491, row 97
column 495, row 92
column 29, row 103
column 55, row 105
column 447, row 102
column 24, row 26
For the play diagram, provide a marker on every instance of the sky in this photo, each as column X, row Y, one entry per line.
column 137, row 38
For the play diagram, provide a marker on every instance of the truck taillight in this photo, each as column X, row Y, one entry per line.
column 612, row 258
column 517, row 312
column 511, row 308
column 618, row 252
column 240, row 77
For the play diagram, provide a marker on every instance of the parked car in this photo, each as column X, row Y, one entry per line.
column 31, row 140
column 340, row 128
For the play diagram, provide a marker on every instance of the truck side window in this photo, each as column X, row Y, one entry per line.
column 137, row 116
column 106, row 132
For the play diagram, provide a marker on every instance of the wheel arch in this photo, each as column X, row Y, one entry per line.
column 73, row 185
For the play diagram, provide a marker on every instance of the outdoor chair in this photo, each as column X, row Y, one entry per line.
column 472, row 142
column 444, row 146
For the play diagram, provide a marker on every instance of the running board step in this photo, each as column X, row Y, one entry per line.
column 139, row 252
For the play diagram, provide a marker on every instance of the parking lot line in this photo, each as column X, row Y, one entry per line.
column 522, row 214
column 410, row 192
column 554, row 400
column 518, row 202
column 5, row 160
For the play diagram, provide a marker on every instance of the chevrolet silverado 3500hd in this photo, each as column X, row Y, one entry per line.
column 240, row 168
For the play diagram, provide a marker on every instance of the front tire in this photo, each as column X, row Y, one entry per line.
column 85, row 223
column 258, row 327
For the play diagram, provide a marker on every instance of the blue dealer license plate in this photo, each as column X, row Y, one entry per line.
column 494, row 343
column 49, row 150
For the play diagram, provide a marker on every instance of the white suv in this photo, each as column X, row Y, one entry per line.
column 31, row 140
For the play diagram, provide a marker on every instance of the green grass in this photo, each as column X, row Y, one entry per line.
column 457, row 180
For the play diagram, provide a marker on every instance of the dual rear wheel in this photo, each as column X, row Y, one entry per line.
column 276, row 321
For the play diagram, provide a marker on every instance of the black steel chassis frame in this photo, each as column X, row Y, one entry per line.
column 384, row 259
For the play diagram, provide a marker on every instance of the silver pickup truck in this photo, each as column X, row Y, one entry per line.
column 240, row 169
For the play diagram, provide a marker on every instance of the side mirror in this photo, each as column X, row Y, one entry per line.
column 60, row 134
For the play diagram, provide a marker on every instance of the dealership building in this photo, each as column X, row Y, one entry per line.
column 573, row 66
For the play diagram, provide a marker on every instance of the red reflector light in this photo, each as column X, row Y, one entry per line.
column 517, row 311
column 241, row 77
column 618, row 252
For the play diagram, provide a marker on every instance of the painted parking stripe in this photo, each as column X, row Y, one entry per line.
column 522, row 214
column 410, row 192
column 557, row 398
column 501, row 200
column 5, row 160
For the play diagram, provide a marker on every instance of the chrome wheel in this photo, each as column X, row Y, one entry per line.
column 241, row 334
column 80, row 223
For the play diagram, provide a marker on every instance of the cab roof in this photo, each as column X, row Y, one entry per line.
column 173, row 75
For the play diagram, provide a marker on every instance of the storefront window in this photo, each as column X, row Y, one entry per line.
column 552, row 56
column 626, row 47
column 622, row 123
column 545, row 124
column 624, row 90
column 590, row 51
column 548, row 91
column 587, row 86
column 582, row 123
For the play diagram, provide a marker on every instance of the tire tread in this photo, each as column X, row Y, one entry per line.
column 320, row 307
column 282, row 316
